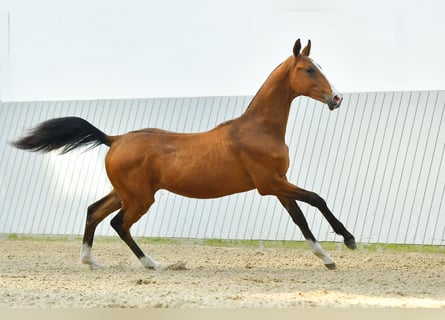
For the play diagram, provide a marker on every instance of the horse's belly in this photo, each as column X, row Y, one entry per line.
column 209, row 183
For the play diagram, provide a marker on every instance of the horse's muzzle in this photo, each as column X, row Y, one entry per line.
column 335, row 101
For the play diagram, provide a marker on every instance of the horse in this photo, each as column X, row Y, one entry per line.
column 245, row 153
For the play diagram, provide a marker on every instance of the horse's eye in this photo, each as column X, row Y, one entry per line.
column 310, row 71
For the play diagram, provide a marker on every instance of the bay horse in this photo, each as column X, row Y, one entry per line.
column 248, row 152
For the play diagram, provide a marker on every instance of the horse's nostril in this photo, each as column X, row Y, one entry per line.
column 335, row 101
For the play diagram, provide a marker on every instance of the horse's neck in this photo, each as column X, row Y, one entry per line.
column 269, row 108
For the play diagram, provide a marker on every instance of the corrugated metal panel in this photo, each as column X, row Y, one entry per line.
column 378, row 162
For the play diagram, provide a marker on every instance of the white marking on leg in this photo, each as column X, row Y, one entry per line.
column 319, row 252
column 149, row 263
column 87, row 258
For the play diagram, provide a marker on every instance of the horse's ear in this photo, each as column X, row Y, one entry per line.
column 307, row 50
column 297, row 48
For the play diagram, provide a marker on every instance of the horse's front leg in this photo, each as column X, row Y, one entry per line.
column 299, row 219
column 282, row 188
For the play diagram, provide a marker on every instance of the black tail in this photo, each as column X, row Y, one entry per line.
column 68, row 133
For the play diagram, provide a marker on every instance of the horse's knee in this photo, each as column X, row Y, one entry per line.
column 315, row 200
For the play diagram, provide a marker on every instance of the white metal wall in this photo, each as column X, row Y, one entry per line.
column 378, row 161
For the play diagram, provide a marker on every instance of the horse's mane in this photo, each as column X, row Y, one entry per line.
column 251, row 101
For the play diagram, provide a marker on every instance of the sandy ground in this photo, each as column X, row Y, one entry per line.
column 48, row 274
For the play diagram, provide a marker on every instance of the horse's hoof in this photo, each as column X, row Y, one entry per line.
column 350, row 243
column 95, row 266
column 156, row 266
column 331, row 266
column 148, row 263
column 91, row 263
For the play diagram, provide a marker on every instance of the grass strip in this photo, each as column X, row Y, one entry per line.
column 259, row 244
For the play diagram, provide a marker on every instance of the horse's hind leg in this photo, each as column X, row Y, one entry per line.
column 95, row 214
column 299, row 219
column 122, row 223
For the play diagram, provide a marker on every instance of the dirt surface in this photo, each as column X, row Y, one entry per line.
column 48, row 274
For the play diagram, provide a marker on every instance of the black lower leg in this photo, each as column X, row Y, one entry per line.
column 297, row 217
column 117, row 224
column 97, row 212
column 91, row 224
column 318, row 202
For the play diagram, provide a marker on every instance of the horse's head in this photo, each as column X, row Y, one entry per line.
column 308, row 80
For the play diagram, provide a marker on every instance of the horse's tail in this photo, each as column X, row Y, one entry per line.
column 62, row 133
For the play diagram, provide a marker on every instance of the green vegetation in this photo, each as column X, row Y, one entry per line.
column 330, row 246
column 301, row 245
column 45, row 238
